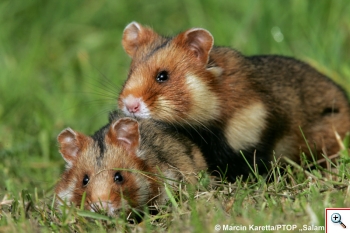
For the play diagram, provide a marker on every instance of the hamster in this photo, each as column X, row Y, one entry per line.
column 236, row 108
column 124, row 164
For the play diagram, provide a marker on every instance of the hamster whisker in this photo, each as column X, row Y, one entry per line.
column 100, row 112
column 90, row 103
column 199, row 121
column 102, row 93
column 111, row 88
column 103, row 80
column 103, row 87
column 98, row 101
column 203, row 125
column 187, row 122
column 170, row 120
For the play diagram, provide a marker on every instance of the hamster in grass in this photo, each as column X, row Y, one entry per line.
column 230, row 104
column 124, row 164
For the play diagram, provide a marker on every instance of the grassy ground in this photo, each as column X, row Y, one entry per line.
column 54, row 57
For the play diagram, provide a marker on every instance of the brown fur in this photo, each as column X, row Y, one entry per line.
column 227, row 90
column 145, row 156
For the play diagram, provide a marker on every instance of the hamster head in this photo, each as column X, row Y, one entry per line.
column 105, row 169
column 169, row 78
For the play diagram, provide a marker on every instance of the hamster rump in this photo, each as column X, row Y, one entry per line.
column 168, row 78
column 104, row 168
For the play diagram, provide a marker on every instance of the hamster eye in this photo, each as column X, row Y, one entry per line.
column 162, row 76
column 118, row 178
column 86, row 180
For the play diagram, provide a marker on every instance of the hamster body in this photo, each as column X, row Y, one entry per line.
column 124, row 164
column 231, row 104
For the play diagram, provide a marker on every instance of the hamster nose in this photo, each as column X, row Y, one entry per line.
column 133, row 107
column 102, row 205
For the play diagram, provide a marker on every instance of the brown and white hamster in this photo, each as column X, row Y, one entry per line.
column 124, row 164
column 231, row 104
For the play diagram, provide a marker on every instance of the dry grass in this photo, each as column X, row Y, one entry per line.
column 62, row 65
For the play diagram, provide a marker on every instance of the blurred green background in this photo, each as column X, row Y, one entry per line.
column 62, row 63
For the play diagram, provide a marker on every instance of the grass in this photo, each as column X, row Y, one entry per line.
column 62, row 65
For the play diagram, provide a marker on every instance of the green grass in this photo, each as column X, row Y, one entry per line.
column 54, row 57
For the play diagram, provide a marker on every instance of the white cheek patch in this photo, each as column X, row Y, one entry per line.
column 286, row 147
column 170, row 176
column 66, row 195
column 143, row 109
column 205, row 102
column 68, row 165
column 245, row 127
column 144, row 187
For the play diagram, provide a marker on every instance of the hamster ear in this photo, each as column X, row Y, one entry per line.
column 125, row 132
column 134, row 36
column 69, row 144
column 198, row 40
